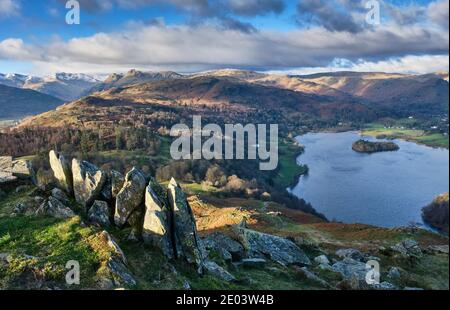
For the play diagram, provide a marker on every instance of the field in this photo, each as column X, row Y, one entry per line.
column 289, row 169
column 403, row 133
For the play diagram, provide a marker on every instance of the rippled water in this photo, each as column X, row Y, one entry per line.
column 384, row 189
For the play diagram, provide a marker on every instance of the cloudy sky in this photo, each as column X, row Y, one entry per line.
column 192, row 35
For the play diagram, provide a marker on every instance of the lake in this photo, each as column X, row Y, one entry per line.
column 383, row 189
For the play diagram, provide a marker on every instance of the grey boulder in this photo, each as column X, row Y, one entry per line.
column 280, row 250
column 130, row 197
column 62, row 171
column 88, row 182
column 99, row 213
column 157, row 219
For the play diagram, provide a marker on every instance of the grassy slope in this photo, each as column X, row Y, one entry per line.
column 419, row 136
column 289, row 170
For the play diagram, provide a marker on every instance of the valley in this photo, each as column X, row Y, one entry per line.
column 123, row 124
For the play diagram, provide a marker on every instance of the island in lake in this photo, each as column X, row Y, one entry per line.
column 363, row 146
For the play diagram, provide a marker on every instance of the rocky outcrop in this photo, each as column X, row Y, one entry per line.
column 99, row 213
column 88, row 182
column 217, row 271
column 62, row 171
column 117, row 179
column 130, row 197
column 157, row 219
column 23, row 169
column 280, row 250
column 187, row 242
column 229, row 249
column 408, row 249
column 55, row 208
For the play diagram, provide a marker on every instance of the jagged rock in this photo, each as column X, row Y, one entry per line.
column 305, row 273
column 23, row 169
column 224, row 244
column 117, row 180
column 99, row 213
column 408, row 248
column 188, row 243
column 114, row 247
column 157, row 219
column 88, row 182
column 60, row 195
column 121, row 275
column 136, row 221
column 280, row 250
column 350, row 253
column 322, row 260
column 106, row 192
column 215, row 270
column 130, row 197
column 117, row 263
column 62, row 172
column 211, row 245
column 55, row 208
column 350, row 268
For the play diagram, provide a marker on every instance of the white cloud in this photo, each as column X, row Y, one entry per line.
column 9, row 8
column 407, row 65
column 192, row 48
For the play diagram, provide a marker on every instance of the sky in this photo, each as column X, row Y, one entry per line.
column 294, row 36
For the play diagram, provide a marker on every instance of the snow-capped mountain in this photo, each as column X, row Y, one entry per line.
column 65, row 86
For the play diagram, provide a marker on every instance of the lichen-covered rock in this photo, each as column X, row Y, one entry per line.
column 60, row 195
column 408, row 248
column 99, row 213
column 55, row 208
column 157, row 219
column 88, row 182
column 280, row 250
column 187, row 242
column 217, row 271
column 350, row 268
column 62, row 171
column 350, row 253
column 130, row 197
column 225, row 245
column 23, row 169
column 136, row 221
column 117, row 179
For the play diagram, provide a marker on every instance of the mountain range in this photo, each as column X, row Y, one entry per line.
column 65, row 86
column 357, row 95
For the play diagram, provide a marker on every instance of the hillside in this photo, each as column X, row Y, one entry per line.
column 65, row 86
column 223, row 99
column 239, row 243
column 400, row 94
column 16, row 103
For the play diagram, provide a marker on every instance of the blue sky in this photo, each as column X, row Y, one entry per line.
column 192, row 35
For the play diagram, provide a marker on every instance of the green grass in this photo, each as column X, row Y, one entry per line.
column 53, row 242
column 414, row 135
column 288, row 168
